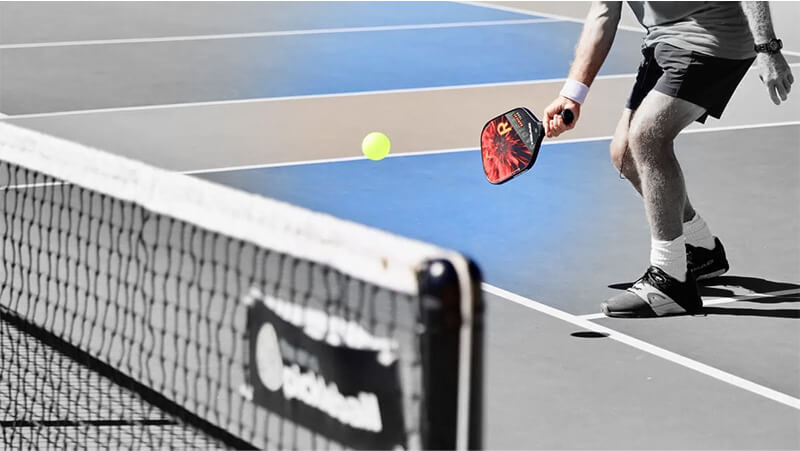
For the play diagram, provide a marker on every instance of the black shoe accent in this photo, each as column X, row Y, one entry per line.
column 706, row 264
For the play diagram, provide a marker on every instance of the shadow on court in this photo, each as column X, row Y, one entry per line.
column 754, row 284
column 764, row 313
column 711, row 287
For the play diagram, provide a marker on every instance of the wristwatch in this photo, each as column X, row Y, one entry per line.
column 772, row 46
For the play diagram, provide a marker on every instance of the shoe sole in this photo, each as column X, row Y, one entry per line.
column 611, row 314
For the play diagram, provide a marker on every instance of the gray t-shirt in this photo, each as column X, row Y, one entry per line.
column 714, row 28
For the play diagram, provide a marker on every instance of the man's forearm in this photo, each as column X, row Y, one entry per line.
column 595, row 41
column 760, row 20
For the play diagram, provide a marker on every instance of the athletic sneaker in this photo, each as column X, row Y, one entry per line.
column 655, row 294
column 704, row 263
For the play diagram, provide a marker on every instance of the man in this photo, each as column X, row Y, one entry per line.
column 695, row 54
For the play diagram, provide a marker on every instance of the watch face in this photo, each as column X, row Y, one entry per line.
column 773, row 45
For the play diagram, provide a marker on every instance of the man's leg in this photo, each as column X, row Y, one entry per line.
column 622, row 158
column 656, row 124
column 705, row 253
column 667, row 287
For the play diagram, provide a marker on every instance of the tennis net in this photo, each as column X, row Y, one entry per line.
column 140, row 308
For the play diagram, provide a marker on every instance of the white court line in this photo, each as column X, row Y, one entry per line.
column 317, row 96
column 324, row 160
column 267, row 34
column 719, row 301
column 662, row 353
column 512, row 9
column 469, row 149
column 306, row 97
column 725, row 128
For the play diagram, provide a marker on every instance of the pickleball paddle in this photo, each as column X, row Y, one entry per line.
column 510, row 143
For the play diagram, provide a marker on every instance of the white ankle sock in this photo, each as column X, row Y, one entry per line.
column 670, row 256
column 697, row 233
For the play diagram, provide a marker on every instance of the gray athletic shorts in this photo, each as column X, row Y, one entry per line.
column 701, row 79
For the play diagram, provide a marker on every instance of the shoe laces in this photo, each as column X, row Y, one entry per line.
column 650, row 277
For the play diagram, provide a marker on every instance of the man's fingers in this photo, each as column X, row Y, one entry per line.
column 550, row 124
column 552, row 120
column 781, row 91
column 772, row 94
column 554, row 128
column 787, row 85
column 558, row 125
column 549, row 113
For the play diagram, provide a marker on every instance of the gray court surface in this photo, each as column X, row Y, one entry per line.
column 550, row 388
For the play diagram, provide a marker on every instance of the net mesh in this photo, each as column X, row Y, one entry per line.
column 152, row 309
column 75, row 407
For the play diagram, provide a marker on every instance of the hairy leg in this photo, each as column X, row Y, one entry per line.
column 622, row 158
column 653, row 127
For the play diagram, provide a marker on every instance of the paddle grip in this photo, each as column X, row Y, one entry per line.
column 568, row 116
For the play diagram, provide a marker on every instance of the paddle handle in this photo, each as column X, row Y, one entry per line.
column 568, row 116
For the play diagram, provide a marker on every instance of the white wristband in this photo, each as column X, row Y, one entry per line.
column 575, row 91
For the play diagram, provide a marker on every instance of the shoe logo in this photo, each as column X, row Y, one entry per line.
column 658, row 301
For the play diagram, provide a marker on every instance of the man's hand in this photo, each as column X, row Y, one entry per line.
column 553, row 122
column 775, row 73
column 772, row 67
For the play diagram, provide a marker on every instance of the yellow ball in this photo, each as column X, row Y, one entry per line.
column 376, row 146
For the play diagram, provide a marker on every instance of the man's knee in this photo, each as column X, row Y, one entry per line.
column 648, row 135
column 619, row 151
column 640, row 136
column 657, row 122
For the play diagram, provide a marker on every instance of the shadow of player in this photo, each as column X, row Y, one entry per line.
column 713, row 287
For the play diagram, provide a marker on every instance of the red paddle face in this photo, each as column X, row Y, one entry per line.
column 509, row 144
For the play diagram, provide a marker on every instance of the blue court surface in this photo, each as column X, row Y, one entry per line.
column 445, row 199
column 551, row 244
